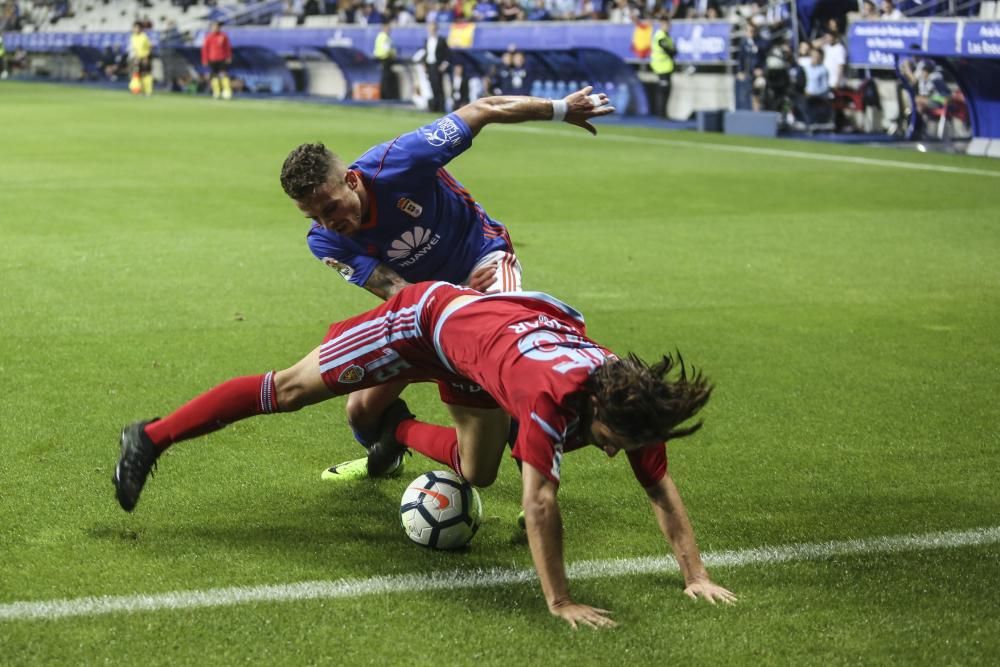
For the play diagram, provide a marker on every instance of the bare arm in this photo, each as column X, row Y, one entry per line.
column 519, row 108
column 384, row 282
column 676, row 528
column 544, row 527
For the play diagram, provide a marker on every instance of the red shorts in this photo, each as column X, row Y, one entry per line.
column 394, row 342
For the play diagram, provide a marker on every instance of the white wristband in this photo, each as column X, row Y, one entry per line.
column 559, row 109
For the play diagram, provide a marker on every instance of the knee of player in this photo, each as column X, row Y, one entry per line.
column 479, row 478
column 359, row 414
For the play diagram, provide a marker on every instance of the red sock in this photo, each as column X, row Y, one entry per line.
column 229, row 402
column 435, row 442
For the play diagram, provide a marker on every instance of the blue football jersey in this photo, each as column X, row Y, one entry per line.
column 421, row 221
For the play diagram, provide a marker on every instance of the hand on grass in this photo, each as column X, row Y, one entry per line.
column 706, row 589
column 574, row 613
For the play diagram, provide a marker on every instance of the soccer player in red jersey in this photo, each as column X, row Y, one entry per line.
column 523, row 355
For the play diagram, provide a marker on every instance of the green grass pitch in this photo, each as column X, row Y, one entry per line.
column 848, row 310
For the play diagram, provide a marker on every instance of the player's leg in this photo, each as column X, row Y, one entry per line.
column 227, row 88
column 142, row 442
column 482, row 438
column 147, row 76
column 473, row 448
column 366, row 410
column 213, row 80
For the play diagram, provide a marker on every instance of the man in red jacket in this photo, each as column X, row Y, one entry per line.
column 217, row 54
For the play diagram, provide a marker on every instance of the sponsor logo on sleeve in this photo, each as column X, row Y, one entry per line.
column 343, row 269
column 444, row 131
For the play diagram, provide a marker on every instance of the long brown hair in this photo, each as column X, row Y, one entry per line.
column 643, row 403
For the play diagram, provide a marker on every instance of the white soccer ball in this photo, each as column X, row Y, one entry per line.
column 440, row 510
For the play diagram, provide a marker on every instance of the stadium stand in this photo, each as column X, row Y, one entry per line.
column 324, row 49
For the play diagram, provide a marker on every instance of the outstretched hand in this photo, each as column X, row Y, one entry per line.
column 574, row 613
column 582, row 106
column 706, row 589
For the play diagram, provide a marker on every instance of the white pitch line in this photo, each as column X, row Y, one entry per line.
column 776, row 152
column 411, row 583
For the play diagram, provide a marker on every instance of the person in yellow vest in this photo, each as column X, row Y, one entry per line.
column 3, row 59
column 661, row 61
column 141, row 53
column 385, row 53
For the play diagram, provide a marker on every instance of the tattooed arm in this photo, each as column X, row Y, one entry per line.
column 384, row 282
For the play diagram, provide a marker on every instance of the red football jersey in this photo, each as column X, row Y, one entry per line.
column 530, row 352
column 216, row 48
column 524, row 351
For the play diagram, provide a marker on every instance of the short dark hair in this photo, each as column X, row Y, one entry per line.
column 640, row 401
column 306, row 168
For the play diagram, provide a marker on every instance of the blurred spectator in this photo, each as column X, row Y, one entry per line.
column 3, row 59
column 442, row 13
column 510, row 11
column 778, row 78
column 420, row 9
column 385, row 53
column 520, row 80
column 562, row 10
column 114, row 63
column 10, row 17
column 869, row 12
column 695, row 9
column 539, row 12
column 369, row 15
column 834, row 53
column 588, row 10
column 620, row 12
column 818, row 107
column 890, row 12
column 459, row 86
column 750, row 68
column 501, row 75
column 796, row 109
column 486, row 11
column 661, row 61
column 463, row 10
column 436, row 60
column 403, row 17
column 931, row 91
column 311, row 8
column 805, row 54
column 173, row 63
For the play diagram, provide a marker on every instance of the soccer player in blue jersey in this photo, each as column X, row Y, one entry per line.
column 395, row 216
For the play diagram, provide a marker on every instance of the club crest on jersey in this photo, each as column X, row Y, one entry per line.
column 410, row 207
column 444, row 131
column 351, row 375
column 343, row 269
